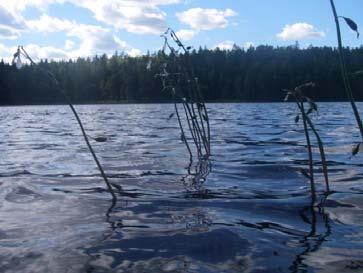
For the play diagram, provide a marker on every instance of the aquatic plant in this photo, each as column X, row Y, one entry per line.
column 17, row 60
column 300, row 100
column 185, row 89
column 320, row 230
column 197, row 174
column 344, row 70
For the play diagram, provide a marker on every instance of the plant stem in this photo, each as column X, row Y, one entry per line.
column 344, row 71
column 182, row 131
column 322, row 153
column 321, row 149
column 68, row 100
column 311, row 168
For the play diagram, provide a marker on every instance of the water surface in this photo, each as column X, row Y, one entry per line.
column 251, row 214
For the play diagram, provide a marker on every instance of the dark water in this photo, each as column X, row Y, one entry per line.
column 252, row 214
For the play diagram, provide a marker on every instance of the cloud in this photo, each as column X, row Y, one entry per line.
column 6, row 53
column 248, row 45
column 46, row 52
column 8, row 33
column 35, row 51
column 20, row 5
column 69, row 45
column 140, row 17
column 205, row 19
column 10, row 24
column 226, row 45
column 50, row 24
column 186, row 34
column 135, row 16
column 299, row 31
column 134, row 52
column 93, row 39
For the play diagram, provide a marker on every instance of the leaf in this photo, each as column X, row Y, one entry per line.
column 189, row 48
column 297, row 118
column 356, row 74
column 312, row 104
column 351, row 24
column 304, row 173
column 309, row 111
column 171, row 115
column 356, row 148
column 100, row 139
column 205, row 117
column 305, row 85
column 287, row 97
column 182, row 137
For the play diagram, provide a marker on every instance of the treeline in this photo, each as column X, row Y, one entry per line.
column 256, row 74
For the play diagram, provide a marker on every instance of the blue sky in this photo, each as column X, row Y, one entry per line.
column 62, row 29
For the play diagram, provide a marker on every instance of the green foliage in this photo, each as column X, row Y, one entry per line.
column 256, row 74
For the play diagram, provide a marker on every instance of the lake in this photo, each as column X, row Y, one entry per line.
column 249, row 212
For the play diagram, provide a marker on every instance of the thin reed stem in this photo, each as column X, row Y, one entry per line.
column 321, row 148
column 311, row 168
column 344, row 70
column 68, row 100
column 182, row 130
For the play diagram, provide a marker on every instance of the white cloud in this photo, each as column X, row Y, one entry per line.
column 140, row 17
column 6, row 53
column 226, row 45
column 134, row 52
column 69, row 45
column 136, row 16
column 50, row 24
column 10, row 24
column 299, row 31
column 93, row 39
column 247, row 45
column 186, row 34
column 206, row 19
column 47, row 52
column 20, row 5
column 35, row 51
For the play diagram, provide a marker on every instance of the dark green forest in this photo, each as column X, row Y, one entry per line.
column 255, row 74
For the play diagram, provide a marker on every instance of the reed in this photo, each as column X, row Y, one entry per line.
column 344, row 70
column 301, row 100
column 17, row 59
column 185, row 89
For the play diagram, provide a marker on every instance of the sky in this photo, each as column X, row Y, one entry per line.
column 64, row 29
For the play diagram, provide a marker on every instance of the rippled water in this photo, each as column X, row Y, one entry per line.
column 252, row 214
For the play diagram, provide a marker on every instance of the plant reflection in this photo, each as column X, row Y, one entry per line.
column 197, row 175
column 318, row 219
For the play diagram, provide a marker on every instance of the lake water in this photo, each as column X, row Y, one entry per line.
column 252, row 214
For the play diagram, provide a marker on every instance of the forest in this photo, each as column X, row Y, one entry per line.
column 257, row 74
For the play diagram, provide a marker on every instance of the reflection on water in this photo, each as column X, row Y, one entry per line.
column 246, row 209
